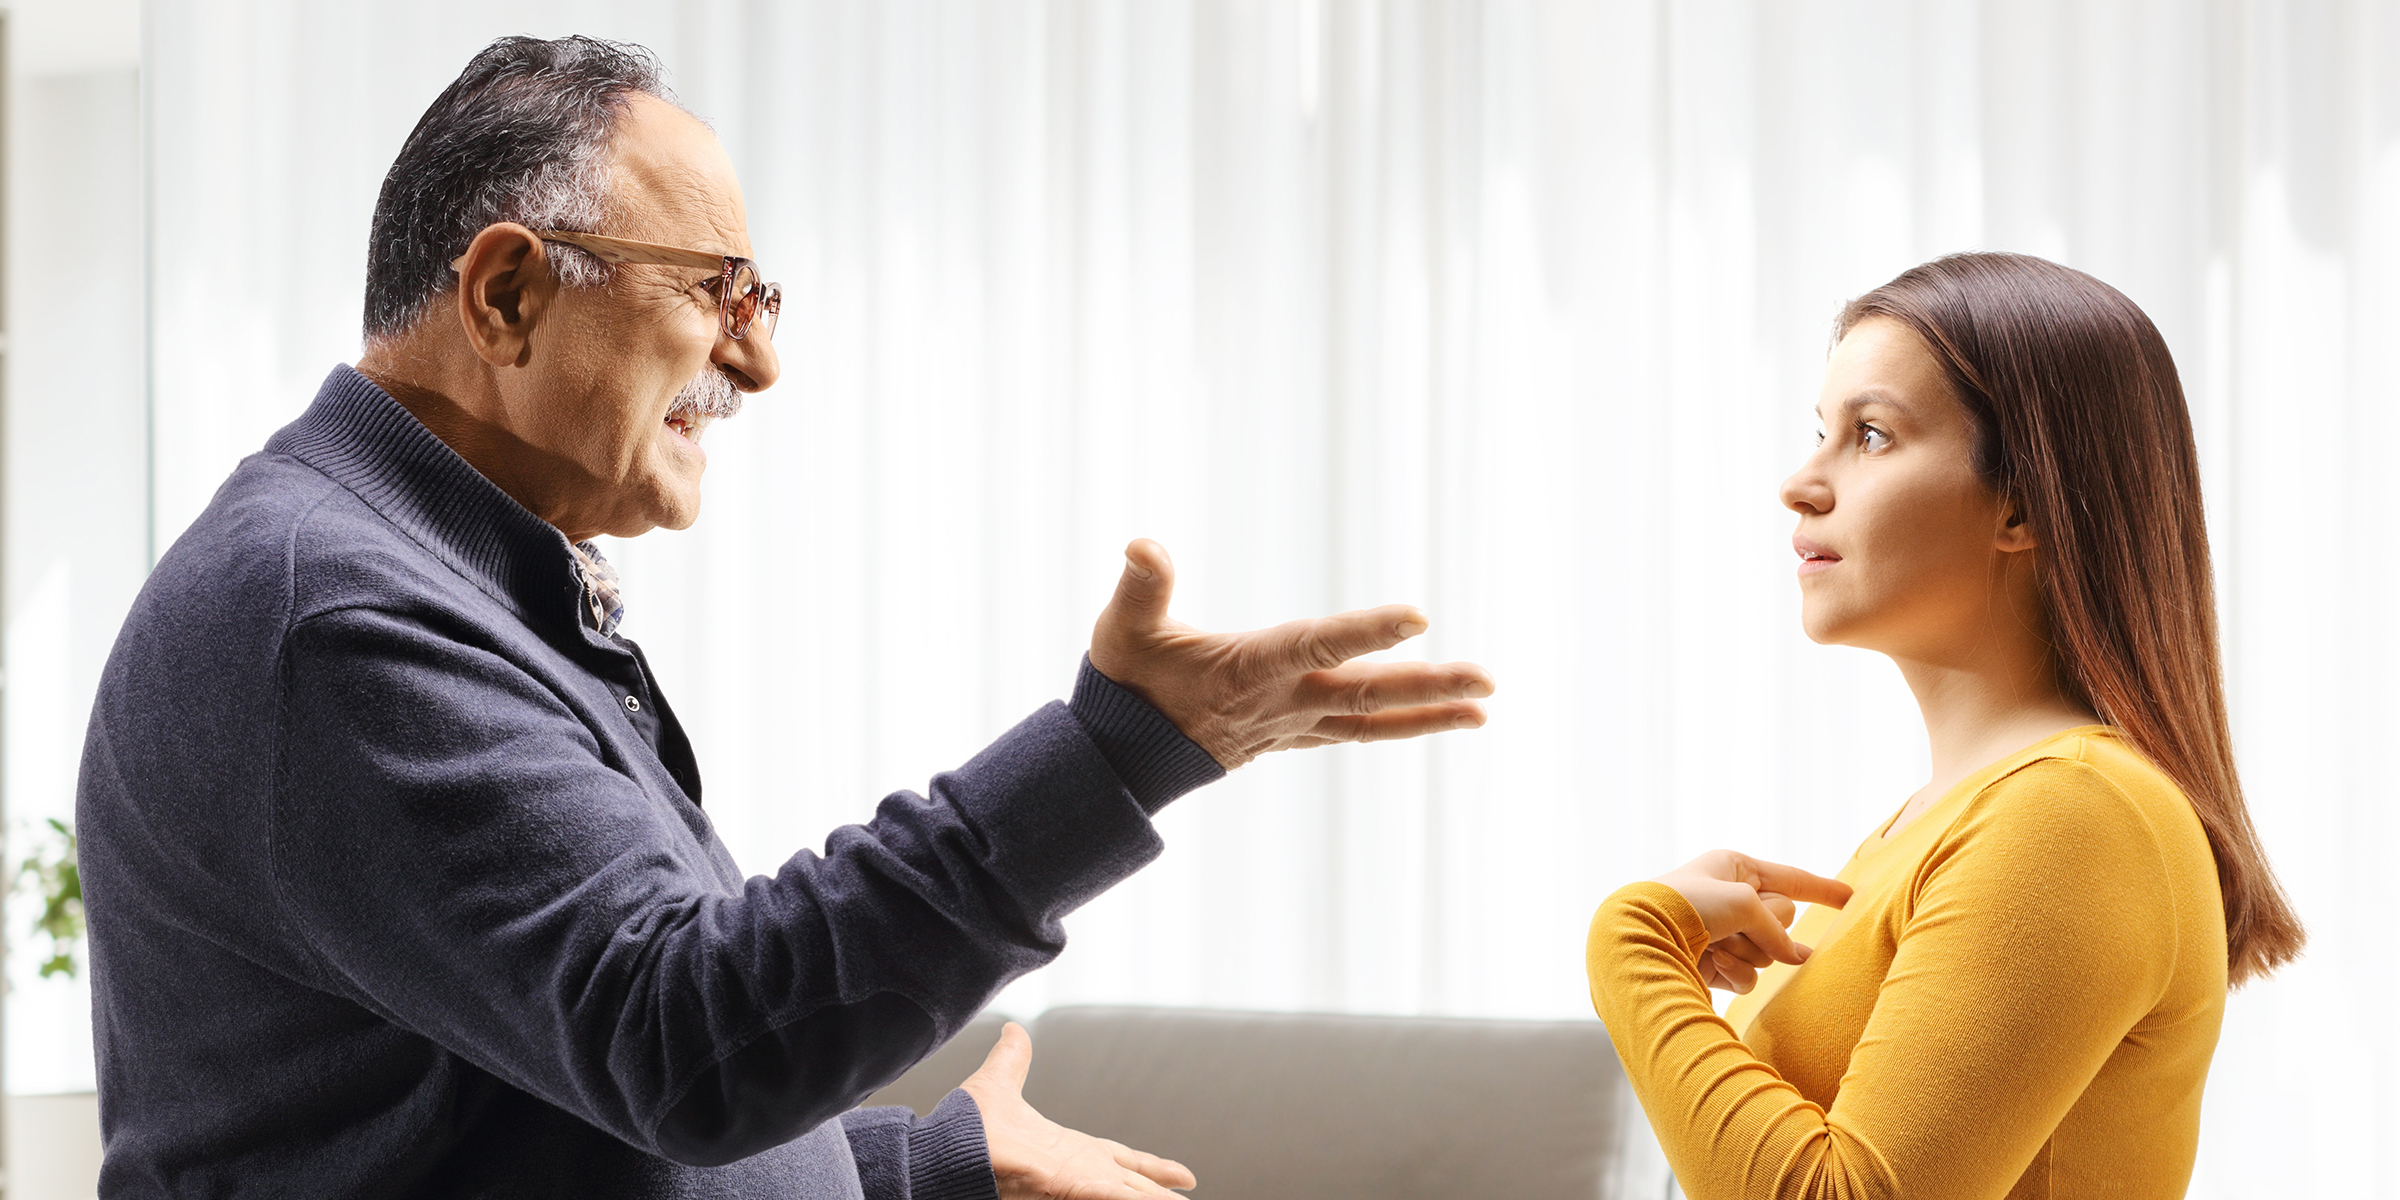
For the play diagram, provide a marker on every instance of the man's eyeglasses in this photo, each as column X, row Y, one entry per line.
column 743, row 302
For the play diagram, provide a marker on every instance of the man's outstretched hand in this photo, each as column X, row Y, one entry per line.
column 1036, row 1158
column 1240, row 695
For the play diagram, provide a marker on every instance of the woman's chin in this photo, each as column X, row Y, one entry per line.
column 1826, row 628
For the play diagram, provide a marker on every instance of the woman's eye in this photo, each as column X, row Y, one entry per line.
column 1820, row 437
column 1873, row 439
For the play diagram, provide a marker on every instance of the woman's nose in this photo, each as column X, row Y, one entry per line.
column 1806, row 492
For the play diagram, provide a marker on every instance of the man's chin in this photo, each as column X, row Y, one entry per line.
column 672, row 502
column 683, row 516
column 676, row 504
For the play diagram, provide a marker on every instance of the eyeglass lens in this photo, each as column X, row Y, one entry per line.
column 750, row 304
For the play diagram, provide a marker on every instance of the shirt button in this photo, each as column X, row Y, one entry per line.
column 632, row 704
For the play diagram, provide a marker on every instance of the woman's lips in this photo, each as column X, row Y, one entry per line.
column 1813, row 557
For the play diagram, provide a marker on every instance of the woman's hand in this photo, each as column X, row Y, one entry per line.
column 1746, row 903
column 1733, row 964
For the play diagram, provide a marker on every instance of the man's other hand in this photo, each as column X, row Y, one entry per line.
column 1240, row 695
column 1036, row 1158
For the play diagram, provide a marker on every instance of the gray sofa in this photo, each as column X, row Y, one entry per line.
column 1269, row 1106
column 1261, row 1106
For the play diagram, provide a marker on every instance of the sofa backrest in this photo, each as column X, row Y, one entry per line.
column 948, row 1066
column 1269, row 1106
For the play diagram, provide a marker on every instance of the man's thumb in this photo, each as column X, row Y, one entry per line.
column 1147, row 584
column 1010, row 1058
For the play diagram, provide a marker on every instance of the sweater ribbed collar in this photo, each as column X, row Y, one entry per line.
column 361, row 438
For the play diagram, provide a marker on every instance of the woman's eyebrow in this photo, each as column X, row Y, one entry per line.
column 1858, row 400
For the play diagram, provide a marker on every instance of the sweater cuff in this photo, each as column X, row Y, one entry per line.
column 1153, row 758
column 1678, row 913
column 947, row 1157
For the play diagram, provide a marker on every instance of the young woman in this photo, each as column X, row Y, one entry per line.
column 2016, row 982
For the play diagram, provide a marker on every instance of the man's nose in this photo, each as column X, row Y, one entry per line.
column 750, row 360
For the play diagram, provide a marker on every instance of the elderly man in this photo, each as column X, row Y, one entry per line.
column 398, row 877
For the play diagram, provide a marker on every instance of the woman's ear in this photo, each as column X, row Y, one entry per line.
column 2016, row 533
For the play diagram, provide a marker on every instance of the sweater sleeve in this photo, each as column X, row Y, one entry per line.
column 2042, row 930
column 1156, row 761
column 453, row 844
column 940, row 1156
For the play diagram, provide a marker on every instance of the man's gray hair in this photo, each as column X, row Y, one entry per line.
column 521, row 135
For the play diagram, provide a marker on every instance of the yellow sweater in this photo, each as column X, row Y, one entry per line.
column 2020, row 1000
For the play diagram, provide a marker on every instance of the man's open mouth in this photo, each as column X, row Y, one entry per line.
column 709, row 396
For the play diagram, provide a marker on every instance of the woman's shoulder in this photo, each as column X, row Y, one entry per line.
column 2088, row 785
column 2089, row 832
column 2085, row 757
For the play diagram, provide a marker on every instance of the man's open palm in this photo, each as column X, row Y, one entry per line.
column 1240, row 695
column 1036, row 1158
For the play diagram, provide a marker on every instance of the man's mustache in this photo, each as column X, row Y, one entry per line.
column 710, row 394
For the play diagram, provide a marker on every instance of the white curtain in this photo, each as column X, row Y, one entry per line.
column 76, row 506
column 1510, row 309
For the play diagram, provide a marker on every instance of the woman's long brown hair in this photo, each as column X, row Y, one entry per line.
column 2081, row 423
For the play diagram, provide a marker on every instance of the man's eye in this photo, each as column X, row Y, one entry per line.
column 1873, row 439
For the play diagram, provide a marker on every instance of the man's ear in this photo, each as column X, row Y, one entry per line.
column 505, row 286
column 2016, row 533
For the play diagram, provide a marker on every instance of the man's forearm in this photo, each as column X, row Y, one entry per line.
column 925, row 913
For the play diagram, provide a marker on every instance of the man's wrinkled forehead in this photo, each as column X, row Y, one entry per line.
column 670, row 180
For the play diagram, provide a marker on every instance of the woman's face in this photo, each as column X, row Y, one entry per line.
column 1901, row 542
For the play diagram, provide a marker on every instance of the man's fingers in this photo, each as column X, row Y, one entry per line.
column 1146, row 585
column 1362, row 688
column 1799, row 885
column 1165, row 1172
column 1138, row 1187
column 1010, row 1058
column 1324, row 643
column 1394, row 724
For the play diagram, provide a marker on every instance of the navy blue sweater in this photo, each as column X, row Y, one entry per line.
column 399, row 885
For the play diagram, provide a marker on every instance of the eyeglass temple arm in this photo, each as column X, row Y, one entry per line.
column 623, row 250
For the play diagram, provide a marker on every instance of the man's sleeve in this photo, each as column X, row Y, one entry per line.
column 1153, row 758
column 453, row 842
column 940, row 1156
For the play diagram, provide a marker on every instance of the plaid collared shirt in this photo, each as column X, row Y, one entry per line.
column 603, row 597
